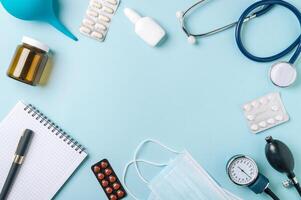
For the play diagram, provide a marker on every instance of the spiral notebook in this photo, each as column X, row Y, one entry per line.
column 52, row 158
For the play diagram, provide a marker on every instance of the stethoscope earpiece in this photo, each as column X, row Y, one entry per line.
column 179, row 14
column 191, row 39
column 283, row 74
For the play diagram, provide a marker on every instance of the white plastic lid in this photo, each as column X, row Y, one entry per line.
column 35, row 43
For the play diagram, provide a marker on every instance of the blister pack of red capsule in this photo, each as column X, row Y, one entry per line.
column 108, row 180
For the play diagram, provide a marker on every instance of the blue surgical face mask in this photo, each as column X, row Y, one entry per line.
column 181, row 178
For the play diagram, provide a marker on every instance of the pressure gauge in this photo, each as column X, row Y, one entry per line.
column 242, row 170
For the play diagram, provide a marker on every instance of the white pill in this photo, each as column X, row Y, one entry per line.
column 92, row 13
column 85, row 30
column 99, row 26
column 271, row 121
column 96, row 5
column 108, row 10
column 247, row 107
column 255, row 104
column 279, row 117
column 113, row 2
column 104, row 18
column 263, row 124
column 250, row 117
column 254, row 127
column 88, row 22
column 97, row 35
column 264, row 101
column 275, row 108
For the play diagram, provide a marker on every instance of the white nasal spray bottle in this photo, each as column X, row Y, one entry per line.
column 145, row 27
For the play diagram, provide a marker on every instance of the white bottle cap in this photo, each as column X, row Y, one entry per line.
column 132, row 15
column 35, row 43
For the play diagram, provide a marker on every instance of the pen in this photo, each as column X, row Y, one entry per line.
column 18, row 161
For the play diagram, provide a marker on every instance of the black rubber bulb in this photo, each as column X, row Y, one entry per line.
column 279, row 156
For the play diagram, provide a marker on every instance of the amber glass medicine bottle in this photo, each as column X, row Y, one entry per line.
column 29, row 61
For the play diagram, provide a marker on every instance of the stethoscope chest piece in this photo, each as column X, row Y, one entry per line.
column 283, row 74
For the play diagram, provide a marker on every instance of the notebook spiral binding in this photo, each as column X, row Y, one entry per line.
column 35, row 113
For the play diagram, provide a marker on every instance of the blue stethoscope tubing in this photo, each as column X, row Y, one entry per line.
column 296, row 44
column 183, row 14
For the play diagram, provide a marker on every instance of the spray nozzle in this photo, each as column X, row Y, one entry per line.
column 132, row 15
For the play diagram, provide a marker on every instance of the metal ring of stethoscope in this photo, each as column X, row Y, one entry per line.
column 192, row 37
column 282, row 74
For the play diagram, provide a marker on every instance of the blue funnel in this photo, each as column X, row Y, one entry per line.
column 40, row 10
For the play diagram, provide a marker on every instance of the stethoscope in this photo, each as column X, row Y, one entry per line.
column 282, row 74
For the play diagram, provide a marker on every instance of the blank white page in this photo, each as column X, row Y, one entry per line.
column 49, row 162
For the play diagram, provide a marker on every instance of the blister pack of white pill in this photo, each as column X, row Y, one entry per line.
column 98, row 18
column 265, row 112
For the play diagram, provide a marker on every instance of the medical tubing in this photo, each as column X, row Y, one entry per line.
column 194, row 5
column 298, row 188
column 258, row 13
column 269, row 192
column 295, row 182
column 297, row 53
column 296, row 44
column 185, row 13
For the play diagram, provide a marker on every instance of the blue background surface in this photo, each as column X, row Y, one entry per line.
column 112, row 95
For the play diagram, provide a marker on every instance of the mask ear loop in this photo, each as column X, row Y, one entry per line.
column 138, row 150
column 126, row 170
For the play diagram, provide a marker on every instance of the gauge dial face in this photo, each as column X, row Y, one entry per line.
column 242, row 170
